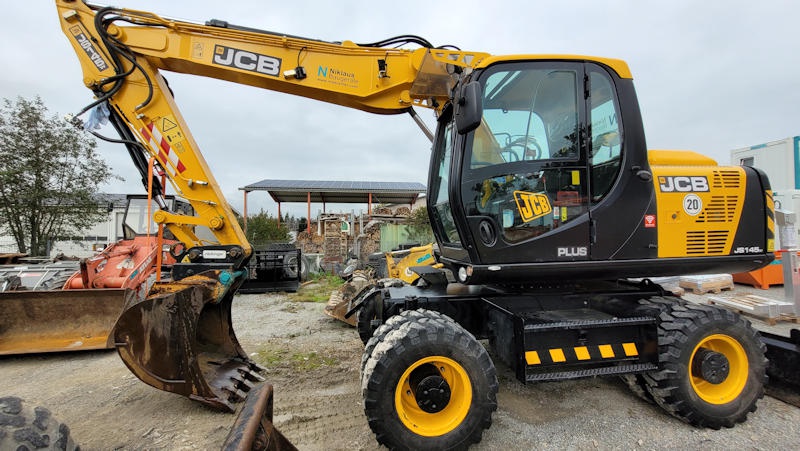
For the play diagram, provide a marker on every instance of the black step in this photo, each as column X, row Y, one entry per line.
column 578, row 374
column 589, row 323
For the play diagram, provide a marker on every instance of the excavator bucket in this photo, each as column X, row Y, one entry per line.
column 180, row 339
column 52, row 321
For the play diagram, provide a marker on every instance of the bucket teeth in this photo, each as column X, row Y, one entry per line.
column 251, row 375
column 235, row 395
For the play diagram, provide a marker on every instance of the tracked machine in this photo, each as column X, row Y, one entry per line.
column 543, row 198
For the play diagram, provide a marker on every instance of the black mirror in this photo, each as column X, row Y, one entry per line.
column 469, row 108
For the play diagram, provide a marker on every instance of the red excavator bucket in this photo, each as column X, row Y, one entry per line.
column 180, row 339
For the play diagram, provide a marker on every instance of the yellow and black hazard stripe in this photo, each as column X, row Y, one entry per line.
column 770, row 204
column 581, row 354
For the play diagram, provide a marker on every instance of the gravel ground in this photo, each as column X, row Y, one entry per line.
column 313, row 363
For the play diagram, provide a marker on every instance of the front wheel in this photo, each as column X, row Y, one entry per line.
column 713, row 366
column 429, row 384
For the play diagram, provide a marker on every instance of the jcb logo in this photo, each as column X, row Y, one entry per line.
column 242, row 59
column 683, row 184
column 532, row 205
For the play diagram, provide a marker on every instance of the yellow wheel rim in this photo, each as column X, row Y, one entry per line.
column 444, row 421
column 730, row 388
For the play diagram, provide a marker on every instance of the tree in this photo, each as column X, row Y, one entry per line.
column 49, row 176
column 419, row 226
column 263, row 229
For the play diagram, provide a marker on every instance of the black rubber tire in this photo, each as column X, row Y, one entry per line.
column 393, row 323
column 652, row 307
column 683, row 328
column 638, row 386
column 290, row 266
column 23, row 427
column 365, row 315
column 419, row 340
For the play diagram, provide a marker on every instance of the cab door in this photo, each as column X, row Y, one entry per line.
column 622, row 202
column 523, row 178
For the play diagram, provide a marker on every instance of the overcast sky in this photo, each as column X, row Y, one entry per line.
column 711, row 76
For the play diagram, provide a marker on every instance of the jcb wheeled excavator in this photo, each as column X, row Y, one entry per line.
column 543, row 198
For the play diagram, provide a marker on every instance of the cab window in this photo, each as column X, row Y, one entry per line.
column 606, row 143
column 440, row 198
column 524, row 168
column 528, row 115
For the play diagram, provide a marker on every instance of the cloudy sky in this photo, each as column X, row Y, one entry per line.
column 711, row 76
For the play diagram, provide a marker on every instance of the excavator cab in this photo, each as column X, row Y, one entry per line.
column 543, row 173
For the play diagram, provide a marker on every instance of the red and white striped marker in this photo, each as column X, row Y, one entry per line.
column 165, row 152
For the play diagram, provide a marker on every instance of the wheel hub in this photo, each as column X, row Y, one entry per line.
column 431, row 390
column 710, row 365
column 432, row 394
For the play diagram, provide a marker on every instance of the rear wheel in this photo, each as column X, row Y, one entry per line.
column 638, row 386
column 713, row 366
column 429, row 385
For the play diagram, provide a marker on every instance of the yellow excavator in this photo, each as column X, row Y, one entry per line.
column 543, row 198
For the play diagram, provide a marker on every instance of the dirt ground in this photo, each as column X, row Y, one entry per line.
column 313, row 363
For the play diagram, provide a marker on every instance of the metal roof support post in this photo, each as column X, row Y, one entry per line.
column 369, row 206
column 308, row 223
column 279, row 214
column 244, row 219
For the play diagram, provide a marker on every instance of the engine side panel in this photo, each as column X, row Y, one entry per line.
column 700, row 211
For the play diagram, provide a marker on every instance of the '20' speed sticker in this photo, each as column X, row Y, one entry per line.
column 692, row 204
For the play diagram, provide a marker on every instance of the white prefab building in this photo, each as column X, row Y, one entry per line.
column 87, row 242
column 781, row 161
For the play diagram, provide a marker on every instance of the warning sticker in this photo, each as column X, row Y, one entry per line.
column 173, row 134
column 649, row 221
column 167, row 124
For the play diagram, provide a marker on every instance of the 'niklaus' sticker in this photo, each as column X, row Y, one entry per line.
column 532, row 205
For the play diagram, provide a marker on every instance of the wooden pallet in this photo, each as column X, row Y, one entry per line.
column 768, row 310
column 699, row 285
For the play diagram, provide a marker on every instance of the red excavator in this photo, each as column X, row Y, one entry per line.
column 71, row 306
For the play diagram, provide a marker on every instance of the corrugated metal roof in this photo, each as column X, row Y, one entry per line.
column 338, row 191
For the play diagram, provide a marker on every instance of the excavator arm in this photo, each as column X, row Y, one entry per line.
column 123, row 51
column 180, row 339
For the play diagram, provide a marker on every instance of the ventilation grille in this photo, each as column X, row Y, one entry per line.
column 710, row 243
column 727, row 179
column 720, row 209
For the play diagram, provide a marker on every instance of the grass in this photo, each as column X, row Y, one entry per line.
column 298, row 361
column 318, row 288
column 310, row 361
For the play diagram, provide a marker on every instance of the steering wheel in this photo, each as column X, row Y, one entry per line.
column 531, row 150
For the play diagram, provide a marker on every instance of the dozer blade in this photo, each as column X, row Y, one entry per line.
column 180, row 339
column 53, row 321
